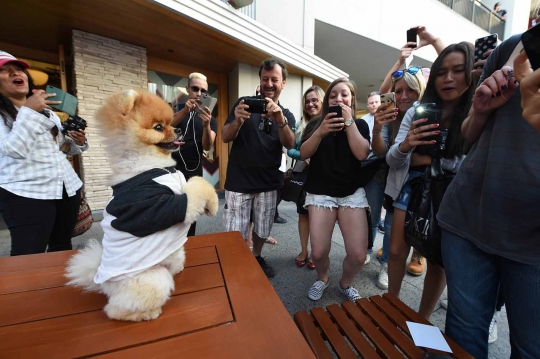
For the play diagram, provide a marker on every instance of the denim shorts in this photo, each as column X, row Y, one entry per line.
column 356, row 200
column 402, row 201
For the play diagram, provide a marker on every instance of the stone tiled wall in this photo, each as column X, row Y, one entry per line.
column 102, row 66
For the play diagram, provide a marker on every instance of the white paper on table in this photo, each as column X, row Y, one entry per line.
column 428, row 336
column 408, row 61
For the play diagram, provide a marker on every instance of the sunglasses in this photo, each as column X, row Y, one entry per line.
column 313, row 101
column 197, row 89
column 413, row 70
column 266, row 125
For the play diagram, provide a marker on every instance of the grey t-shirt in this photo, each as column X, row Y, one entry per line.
column 494, row 200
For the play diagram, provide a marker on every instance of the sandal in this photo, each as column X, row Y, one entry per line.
column 310, row 264
column 271, row 240
column 300, row 263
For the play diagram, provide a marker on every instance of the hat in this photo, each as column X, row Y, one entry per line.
column 7, row 58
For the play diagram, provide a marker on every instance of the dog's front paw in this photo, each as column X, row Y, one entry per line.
column 202, row 198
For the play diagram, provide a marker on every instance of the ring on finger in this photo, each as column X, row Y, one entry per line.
column 416, row 133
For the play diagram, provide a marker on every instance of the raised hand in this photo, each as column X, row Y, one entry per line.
column 417, row 133
column 495, row 91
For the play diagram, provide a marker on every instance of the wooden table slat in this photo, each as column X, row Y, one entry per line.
column 53, row 276
column 92, row 333
column 27, row 306
column 390, row 330
column 312, row 335
column 34, row 261
column 385, row 348
column 391, row 312
column 362, row 346
column 413, row 316
column 340, row 346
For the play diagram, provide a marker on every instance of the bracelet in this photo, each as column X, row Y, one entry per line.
column 376, row 134
column 283, row 125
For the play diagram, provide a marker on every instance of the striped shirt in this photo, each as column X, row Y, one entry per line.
column 31, row 163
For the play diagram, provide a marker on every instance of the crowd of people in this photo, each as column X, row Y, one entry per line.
column 489, row 126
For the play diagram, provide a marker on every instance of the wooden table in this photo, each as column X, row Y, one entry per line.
column 223, row 307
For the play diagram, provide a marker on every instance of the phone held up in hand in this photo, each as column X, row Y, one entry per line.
column 388, row 100
column 482, row 45
column 411, row 36
column 531, row 44
column 336, row 109
column 207, row 101
column 256, row 105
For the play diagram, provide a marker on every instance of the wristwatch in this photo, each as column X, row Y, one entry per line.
column 349, row 122
column 284, row 123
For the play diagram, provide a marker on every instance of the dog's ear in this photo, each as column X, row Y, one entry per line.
column 128, row 101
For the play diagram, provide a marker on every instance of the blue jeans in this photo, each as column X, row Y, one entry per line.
column 375, row 196
column 474, row 278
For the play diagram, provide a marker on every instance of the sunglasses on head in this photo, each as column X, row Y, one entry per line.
column 413, row 70
column 197, row 89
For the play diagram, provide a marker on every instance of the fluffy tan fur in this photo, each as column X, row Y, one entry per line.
column 128, row 123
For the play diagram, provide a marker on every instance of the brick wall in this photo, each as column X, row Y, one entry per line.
column 102, row 66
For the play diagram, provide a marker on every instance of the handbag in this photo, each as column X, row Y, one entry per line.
column 294, row 181
column 422, row 230
column 84, row 218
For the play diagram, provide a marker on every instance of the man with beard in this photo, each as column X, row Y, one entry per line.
column 253, row 175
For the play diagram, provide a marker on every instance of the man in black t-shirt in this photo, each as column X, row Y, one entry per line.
column 253, row 175
column 199, row 128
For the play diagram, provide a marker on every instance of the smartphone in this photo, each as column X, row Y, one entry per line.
column 411, row 36
column 531, row 44
column 482, row 45
column 256, row 105
column 207, row 101
column 69, row 102
column 432, row 113
column 336, row 109
column 388, row 100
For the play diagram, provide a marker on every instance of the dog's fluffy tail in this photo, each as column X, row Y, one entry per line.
column 82, row 267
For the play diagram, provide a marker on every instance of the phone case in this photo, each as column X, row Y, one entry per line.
column 336, row 109
column 388, row 100
column 531, row 44
column 411, row 36
column 69, row 102
column 256, row 105
column 482, row 45
column 208, row 101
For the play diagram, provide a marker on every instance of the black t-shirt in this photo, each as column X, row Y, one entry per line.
column 191, row 150
column 333, row 169
column 255, row 155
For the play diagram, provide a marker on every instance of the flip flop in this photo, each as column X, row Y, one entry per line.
column 271, row 240
column 301, row 263
column 310, row 264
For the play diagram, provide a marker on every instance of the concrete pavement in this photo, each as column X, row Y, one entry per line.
column 292, row 283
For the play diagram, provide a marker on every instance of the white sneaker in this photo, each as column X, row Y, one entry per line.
column 444, row 303
column 368, row 259
column 493, row 330
column 317, row 289
column 382, row 280
column 351, row 293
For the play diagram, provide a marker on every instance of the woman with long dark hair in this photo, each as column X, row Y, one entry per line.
column 451, row 87
column 312, row 101
column 335, row 146
column 39, row 190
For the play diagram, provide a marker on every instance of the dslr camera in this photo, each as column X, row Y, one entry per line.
column 73, row 123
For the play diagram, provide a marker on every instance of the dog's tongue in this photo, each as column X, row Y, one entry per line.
column 177, row 143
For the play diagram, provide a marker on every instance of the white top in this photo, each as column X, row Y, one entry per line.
column 125, row 255
column 31, row 163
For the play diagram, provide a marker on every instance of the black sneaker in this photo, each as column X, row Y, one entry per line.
column 269, row 271
column 280, row 220
column 380, row 227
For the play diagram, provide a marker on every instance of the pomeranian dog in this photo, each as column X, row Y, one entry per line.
column 146, row 221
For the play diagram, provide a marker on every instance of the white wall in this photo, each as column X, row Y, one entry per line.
column 377, row 20
column 286, row 17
